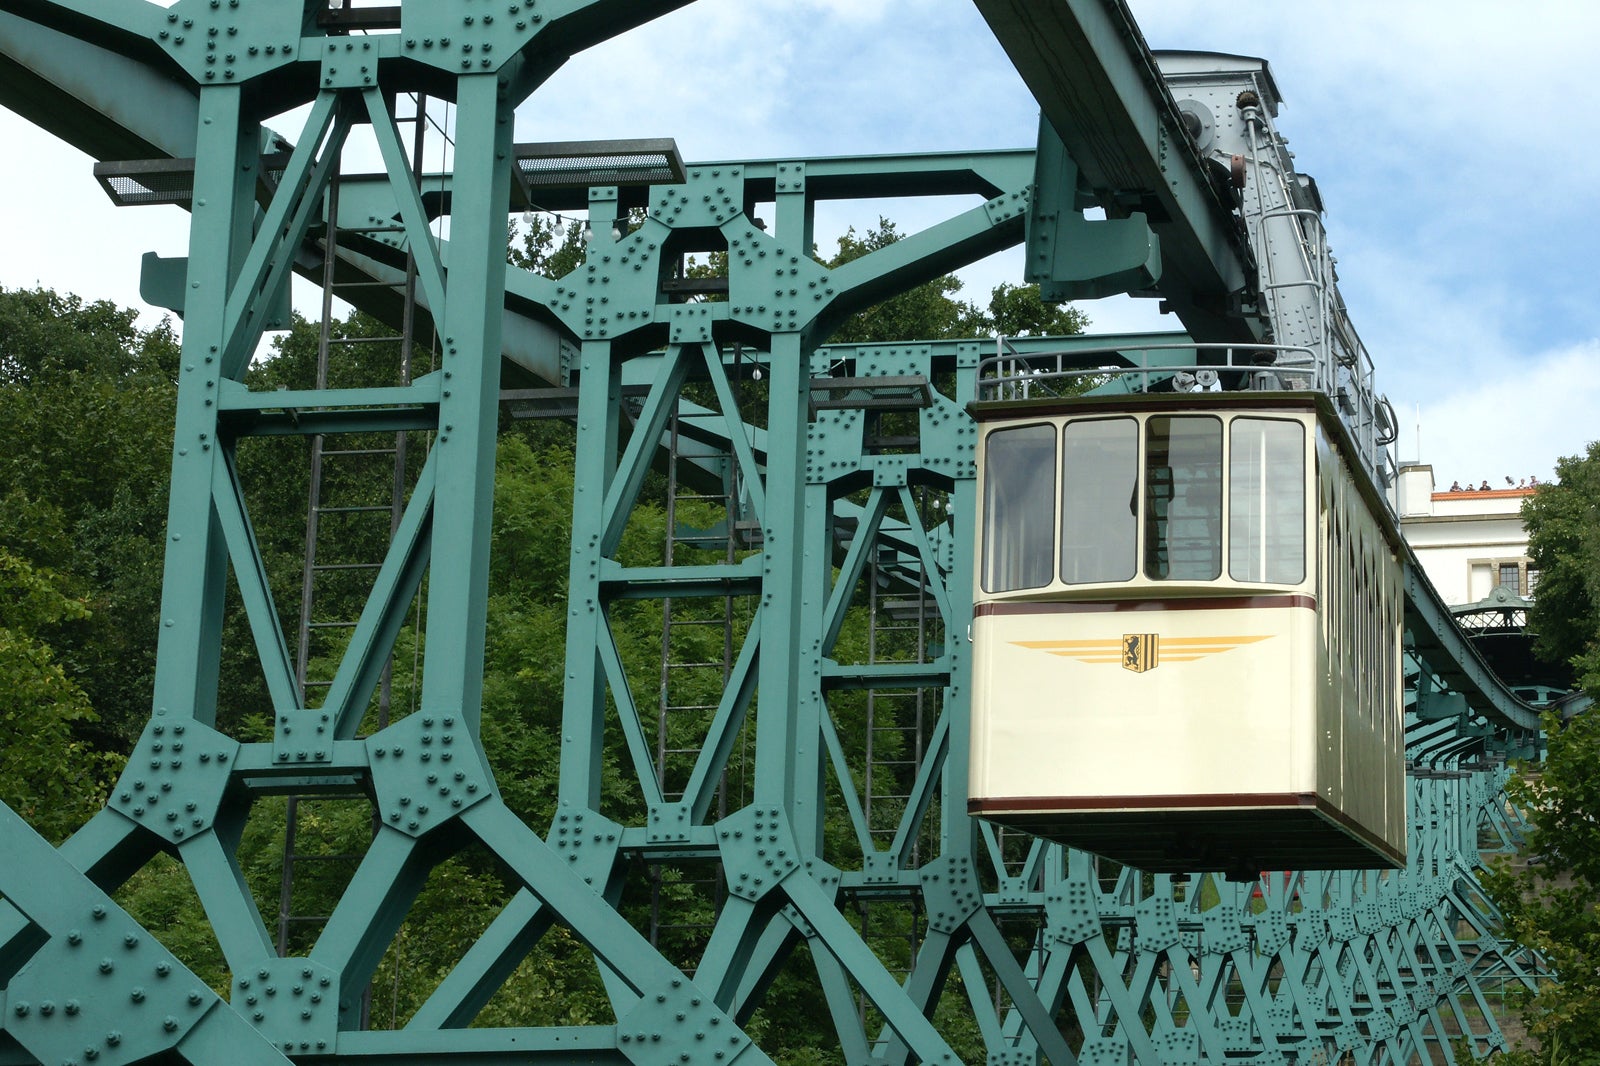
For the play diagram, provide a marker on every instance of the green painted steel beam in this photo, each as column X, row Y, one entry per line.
column 193, row 585
column 555, row 1046
column 124, row 27
column 469, row 405
column 933, row 674
column 395, row 585
column 984, row 174
column 101, row 100
column 89, row 938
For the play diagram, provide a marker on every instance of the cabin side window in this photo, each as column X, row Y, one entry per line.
column 1267, row 501
column 1183, row 498
column 1099, row 500
column 1019, row 508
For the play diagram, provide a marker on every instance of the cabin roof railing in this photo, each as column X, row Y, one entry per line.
column 1014, row 375
column 1192, row 367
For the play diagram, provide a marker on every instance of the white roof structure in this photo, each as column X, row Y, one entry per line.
column 1470, row 541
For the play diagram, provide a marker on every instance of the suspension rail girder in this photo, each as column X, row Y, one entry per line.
column 1098, row 87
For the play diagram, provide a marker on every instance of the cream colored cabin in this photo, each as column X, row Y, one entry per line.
column 1186, row 635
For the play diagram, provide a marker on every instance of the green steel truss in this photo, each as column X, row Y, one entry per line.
column 847, row 474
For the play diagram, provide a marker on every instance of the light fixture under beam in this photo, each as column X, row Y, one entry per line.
column 903, row 392
column 581, row 164
column 139, row 182
column 557, row 165
column 143, row 182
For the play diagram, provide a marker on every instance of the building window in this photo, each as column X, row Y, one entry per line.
column 1487, row 575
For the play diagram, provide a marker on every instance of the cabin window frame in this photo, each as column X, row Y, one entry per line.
column 1204, row 502
column 1020, row 546
column 1084, row 493
column 1280, row 535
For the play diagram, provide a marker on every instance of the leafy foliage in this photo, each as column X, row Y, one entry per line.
column 1551, row 903
column 544, row 250
column 1563, row 522
column 50, row 776
column 85, row 436
column 1017, row 311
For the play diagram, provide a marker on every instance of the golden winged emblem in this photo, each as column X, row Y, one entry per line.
column 1141, row 652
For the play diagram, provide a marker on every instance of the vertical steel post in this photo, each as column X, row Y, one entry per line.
column 469, row 401
column 196, row 566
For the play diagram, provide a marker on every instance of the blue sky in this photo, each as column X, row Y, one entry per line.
column 1454, row 146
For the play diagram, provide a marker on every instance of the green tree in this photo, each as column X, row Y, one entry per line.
column 1017, row 311
column 1563, row 522
column 542, row 248
column 86, row 401
column 49, row 776
column 1549, row 902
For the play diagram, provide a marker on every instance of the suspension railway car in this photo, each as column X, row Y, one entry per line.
column 1186, row 634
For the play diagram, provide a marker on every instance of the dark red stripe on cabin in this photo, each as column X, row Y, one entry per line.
column 1214, row 603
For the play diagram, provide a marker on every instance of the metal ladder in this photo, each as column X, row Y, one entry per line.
column 381, row 507
column 895, row 718
column 691, row 683
column 898, row 723
column 685, row 683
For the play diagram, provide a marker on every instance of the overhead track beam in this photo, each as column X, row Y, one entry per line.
column 1087, row 64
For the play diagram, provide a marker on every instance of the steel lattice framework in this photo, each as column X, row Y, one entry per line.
column 851, row 470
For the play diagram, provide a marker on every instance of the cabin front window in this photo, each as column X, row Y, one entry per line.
column 1099, row 500
column 1019, row 507
column 1183, row 498
column 1267, row 501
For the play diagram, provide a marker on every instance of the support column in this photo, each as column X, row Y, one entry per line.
column 195, row 571
column 594, row 466
column 469, row 403
column 780, row 746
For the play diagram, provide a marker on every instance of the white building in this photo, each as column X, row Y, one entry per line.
column 1469, row 541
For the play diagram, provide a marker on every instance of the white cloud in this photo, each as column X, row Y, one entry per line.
column 742, row 79
column 1516, row 421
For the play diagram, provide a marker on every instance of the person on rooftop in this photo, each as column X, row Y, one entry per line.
column 1483, row 487
column 1455, row 486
